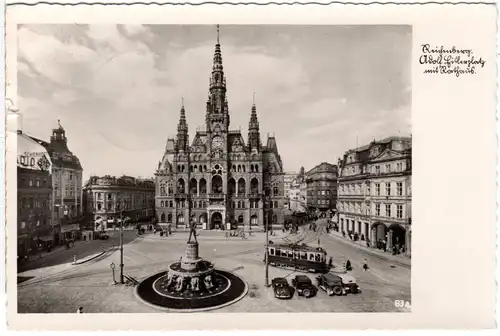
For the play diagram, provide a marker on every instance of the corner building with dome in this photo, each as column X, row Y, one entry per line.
column 218, row 178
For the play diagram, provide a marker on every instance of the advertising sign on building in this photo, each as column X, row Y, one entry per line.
column 32, row 155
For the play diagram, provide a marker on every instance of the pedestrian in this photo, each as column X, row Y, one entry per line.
column 79, row 310
column 365, row 265
column 330, row 262
column 348, row 266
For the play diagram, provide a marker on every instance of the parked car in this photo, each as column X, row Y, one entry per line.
column 103, row 237
column 282, row 289
column 338, row 284
column 349, row 283
column 331, row 284
column 304, row 286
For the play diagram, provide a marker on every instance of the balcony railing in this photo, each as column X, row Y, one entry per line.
column 216, row 195
column 181, row 195
column 255, row 195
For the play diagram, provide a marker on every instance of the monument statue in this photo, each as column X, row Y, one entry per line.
column 192, row 231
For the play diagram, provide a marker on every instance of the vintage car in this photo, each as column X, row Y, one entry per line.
column 331, row 284
column 338, row 284
column 304, row 286
column 281, row 289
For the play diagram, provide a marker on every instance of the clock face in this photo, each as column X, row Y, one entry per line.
column 217, row 142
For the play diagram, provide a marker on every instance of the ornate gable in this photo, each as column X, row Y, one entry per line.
column 388, row 154
column 198, row 145
column 237, row 144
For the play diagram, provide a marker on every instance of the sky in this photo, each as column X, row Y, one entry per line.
column 118, row 89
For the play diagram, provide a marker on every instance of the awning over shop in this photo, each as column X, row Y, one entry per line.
column 70, row 227
column 46, row 238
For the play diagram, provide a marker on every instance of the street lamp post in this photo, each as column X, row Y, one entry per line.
column 266, row 221
column 122, row 281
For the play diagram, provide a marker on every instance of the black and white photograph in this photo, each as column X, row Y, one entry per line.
column 221, row 168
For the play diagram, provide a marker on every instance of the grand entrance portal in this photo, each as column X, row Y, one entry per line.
column 216, row 222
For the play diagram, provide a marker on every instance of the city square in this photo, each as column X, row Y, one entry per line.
column 214, row 219
column 63, row 288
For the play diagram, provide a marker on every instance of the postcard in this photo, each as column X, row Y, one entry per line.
column 268, row 167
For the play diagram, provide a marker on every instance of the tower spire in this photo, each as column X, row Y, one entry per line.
column 217, row 100
column 253, row 128
column 182, row 130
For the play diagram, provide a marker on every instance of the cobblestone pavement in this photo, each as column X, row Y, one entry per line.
column 91, row 286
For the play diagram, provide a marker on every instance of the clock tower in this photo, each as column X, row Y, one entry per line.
column 217, row 113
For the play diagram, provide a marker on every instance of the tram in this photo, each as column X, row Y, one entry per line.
column 297, row 257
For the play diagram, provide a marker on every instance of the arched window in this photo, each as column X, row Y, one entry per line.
column 239, row 168
column 204, row 204
column 162, row 204
column 169, row 218
column 191, row 169
column 276, row 204
column 99, row 206
column 254, row 186
column 240, row 219
column 181, row 186
column 241, row 186
column 171, row 204
column 162, row 191
column 217, row 184
column 239, row 204
column 251, row 168
column 231, row 186
column 243, row 168
column 180, row 219
column 203, row 186
column 169, row 188
column 193, row 186
column 162, row 218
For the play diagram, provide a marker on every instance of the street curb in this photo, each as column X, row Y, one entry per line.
column 91, row 258
column 401, row 263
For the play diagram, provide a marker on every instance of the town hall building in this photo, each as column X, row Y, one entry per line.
column 218, row 178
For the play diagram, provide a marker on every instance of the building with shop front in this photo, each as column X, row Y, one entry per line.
column 293, row 199
column 374, row 195
column 322, row 189
column 288, row 179
column 108, row 200
column 34, row 197
column 219, row 178
column 66, row 187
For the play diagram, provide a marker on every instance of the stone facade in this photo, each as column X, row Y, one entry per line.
column 322, row 188
column 297, row 196
column 34, row 196
column 107, row 199
column 218, row 178
column 67, row 175
column 374, row 198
